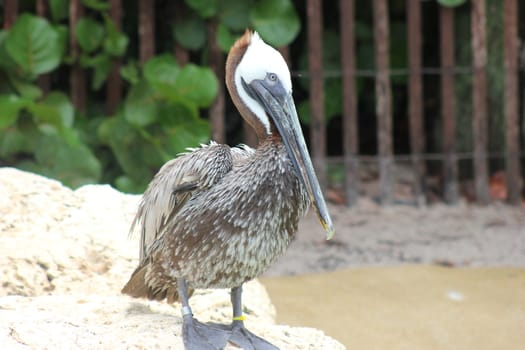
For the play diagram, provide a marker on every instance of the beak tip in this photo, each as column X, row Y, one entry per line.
column 330, row 231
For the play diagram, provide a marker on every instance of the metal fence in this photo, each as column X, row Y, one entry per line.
column 383, row 94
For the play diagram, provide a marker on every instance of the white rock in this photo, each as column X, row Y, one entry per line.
column 64, row 256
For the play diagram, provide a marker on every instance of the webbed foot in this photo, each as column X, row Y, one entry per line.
column 197, row 335
column 245, row 339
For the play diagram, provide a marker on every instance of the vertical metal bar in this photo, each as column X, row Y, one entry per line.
column 448, row 105
column 512, row 128
column 114, row 86
column 146, row 29
column 383, row 101
column 217, row 109
column 44, row 80
column 181, row 54
column 77, row 78
column 315, row 62
column 415, row 98
column 479, row 100
column 10, row 12
column 350, row 119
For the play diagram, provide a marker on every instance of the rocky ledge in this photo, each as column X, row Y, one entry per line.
column 64, row 255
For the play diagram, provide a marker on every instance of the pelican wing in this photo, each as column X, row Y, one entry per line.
column 174, row 185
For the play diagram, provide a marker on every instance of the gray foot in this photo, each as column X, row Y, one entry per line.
column 245, row 339
column 200, row 336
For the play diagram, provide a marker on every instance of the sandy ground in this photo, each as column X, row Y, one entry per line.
column 439, row 277
column 371, row 235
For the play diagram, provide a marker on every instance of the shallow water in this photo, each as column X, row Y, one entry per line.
column 408, row 307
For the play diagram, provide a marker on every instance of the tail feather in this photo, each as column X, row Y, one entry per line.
column 136, row 286
column 139, row 287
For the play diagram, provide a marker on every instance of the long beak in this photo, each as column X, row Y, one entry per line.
column 281, row 108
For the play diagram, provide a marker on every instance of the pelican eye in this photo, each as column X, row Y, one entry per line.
column 272, row 77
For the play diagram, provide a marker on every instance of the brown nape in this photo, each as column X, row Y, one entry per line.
column 235, row 56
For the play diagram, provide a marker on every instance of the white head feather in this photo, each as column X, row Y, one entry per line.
column 259, row 60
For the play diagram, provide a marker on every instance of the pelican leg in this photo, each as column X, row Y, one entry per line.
column 240, row 336
column 197, row 335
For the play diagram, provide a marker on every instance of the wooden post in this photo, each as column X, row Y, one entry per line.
column 114, row 86
column 448, row 104
column 44, row 80
column 415, row 98
column 217, row 109
column 479, row 100
column 315, row 67
column 10, row 12
column 146, row 30
column 383, row 101
column 350, row 119
column 77, row 78
column 511, row 101
column 181, row 54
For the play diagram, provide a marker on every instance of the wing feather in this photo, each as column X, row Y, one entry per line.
column 174, row 185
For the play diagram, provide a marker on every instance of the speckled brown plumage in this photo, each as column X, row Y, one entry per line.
column 237, row 218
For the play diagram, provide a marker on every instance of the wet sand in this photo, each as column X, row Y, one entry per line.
column 408, row 306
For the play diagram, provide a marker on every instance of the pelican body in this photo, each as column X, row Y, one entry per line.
column 216, row 217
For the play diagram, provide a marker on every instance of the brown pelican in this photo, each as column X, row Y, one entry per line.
column 216, row 217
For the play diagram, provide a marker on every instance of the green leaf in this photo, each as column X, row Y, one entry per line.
column 24, row 88
column 176, row 114
column 13, row 141
column 10, row 106
column 6, row 62
column 130, row 72
column 197, row 84
column 161, row 73
column 137, row 157
column 89, row 34
column 34, row 45
column 55, row 113
column 74, row 165
column 190, row 134
column 235, row 14
column 98, row 5
column 190, row 32
column 59, row 9
column 127, row 185
column 451, row 3
column 225, row 39
column 115, row 42
column 205, row 8
column 101, row 64
column 276, row 21
column 140, row 106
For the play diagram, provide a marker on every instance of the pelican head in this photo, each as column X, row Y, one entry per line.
column 259, row 83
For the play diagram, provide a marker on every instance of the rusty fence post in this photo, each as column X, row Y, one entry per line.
column 350, row 119
column 479, row 100
column 146, row 30
column 114, row 84
column 415, row 98
column 448, row 105
column 77, row 77
column 217, row 109
column 10, row 12
column 512, row 127
column 315, row 67
column 383, row 102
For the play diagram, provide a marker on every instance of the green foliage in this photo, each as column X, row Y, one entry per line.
column 451, row 3
column 276, row 21
column 34, row 45
column 160, row 114
column 158, row 118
